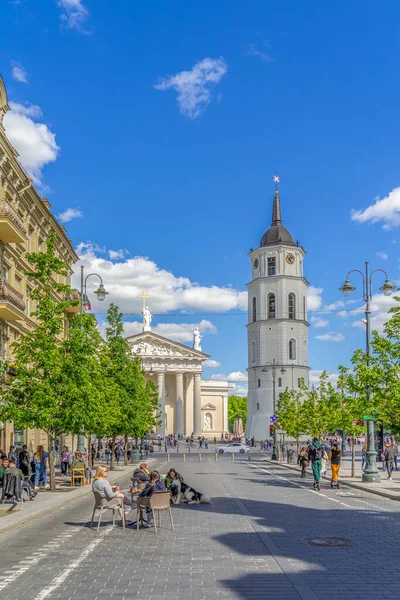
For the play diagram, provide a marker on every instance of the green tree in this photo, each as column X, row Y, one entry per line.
column 36, row 396
column 237, row 406
column 290, row 413
column 133, row 397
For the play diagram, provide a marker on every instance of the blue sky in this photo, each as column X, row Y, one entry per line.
column 169, row 156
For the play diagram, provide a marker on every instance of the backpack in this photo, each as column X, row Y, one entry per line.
column 318, row 453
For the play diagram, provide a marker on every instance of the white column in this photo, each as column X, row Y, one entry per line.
column 161, row 401
column 189, row 398
column 225, row 421
column 179, row 404
column 198, row 425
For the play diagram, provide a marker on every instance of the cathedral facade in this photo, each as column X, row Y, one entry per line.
column 277, row 329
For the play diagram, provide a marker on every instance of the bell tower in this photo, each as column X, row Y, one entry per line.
column 277, row 329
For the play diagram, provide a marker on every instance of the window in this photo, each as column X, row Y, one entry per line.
column 28, row 241
column 292, row 349
column 28, row 302
column 258, row 382
column 292, row 306
column 258, row 406
column 254, row 309
column 272, row 266
column 5, row 273
column 279, row 381
column 299, row 381
column 271, row 306
column 253, row 352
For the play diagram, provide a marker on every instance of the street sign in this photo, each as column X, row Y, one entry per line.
column 273, row 419
column 358, row 423
column 368, row 418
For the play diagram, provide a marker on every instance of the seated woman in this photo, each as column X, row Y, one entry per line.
column 153, row 486
column 102, row 486
column 173, row 482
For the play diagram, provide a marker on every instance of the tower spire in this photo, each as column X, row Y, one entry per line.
column 276, row 209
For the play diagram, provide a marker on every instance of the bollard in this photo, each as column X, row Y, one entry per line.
column 168, row 457
column 216, row 457
column 184, row 457
column 248, row 456
column 200, row 456
column 233, row 457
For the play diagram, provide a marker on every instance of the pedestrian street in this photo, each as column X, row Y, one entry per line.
column 261, row 536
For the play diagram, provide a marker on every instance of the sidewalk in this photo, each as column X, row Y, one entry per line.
column 47, row 501
column 386, row 488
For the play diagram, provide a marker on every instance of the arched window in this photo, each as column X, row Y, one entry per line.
column 292, row 349
column 258, row 382
column 254, row 309
column 258, row 406
column 271, row 306
column 253, row 352
column 292, row 306
column 279, row 381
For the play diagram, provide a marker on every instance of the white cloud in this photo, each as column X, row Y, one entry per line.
column 380, row 305
column 331, row 337
column 125, row 280
column 235, row 377
column 253, row 50
column 382, row 255
column 238, row 390
column 34, row 142
column 74, row 14
column 117, row 254
column 18, row 72
column 334, row 306
column 386, row 210
column 315, row 375
column 314, row 298
column 69, row 214
column 211, row 364
column 180, row 332
column 193, row 87
column 319, row 323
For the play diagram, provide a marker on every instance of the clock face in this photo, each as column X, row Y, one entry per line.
column 256, row 263
column 290, row 259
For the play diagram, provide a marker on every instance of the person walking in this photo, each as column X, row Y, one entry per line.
column 40, row 459
column 396, row 453
column 363, row 456
column 24, row 460
column 315, row 453
column 335, row 456
column 389, row 458
column 324, row 461
column 65, row 459
column 107, row 453
column 302, row 460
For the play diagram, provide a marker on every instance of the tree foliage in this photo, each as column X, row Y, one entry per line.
column 237, row 406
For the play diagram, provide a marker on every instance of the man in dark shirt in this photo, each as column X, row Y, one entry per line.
column 389, row 458
column 142, row 473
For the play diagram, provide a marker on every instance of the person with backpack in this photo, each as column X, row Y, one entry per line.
column 302, row 460
column 335, row 456
column 315, row 453
column 23, row 460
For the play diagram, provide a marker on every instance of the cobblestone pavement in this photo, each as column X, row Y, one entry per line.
column 256, row 540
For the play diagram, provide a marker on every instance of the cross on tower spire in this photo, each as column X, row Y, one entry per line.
column 276, row 209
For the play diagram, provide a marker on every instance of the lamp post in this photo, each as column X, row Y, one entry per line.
column 101, row 294
column 274, row 366
column 370, row 473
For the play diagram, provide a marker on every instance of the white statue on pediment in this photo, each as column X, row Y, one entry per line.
column 147, row 317
column 196, row 339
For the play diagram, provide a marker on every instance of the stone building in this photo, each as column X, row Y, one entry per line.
column 277, row 329
column 25, row 223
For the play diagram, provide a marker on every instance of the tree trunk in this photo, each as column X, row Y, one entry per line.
column 353, row 456
column 125, row 451
column 297, row 445
column 52, row 474
column 112, row 457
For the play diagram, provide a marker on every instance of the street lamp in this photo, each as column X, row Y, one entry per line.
column 370, row 473
column 101, row 294
column 274, row 366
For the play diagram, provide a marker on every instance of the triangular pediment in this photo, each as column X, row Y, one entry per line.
column 151, row 344
column 209, row 406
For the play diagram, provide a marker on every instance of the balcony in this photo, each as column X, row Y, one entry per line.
column 12, row 228
column 74, row 295
column 12, row 305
